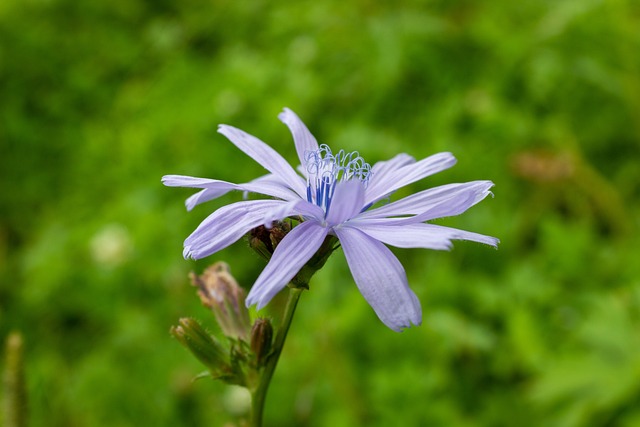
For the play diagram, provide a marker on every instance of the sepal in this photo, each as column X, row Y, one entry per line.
column 261, row 340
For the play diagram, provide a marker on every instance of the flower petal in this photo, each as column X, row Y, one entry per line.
column 347, row 201
column 291, row 254
column 380, row 278
column 381, row 170
column 303, row 139
column 428, row 236
column 213, row 188
column 456, row 234
column 407, row 175
column 203, row 196
column 406, row 236
column 265, row 156
column 452, row 207
column 296, row 207
column 435, row 200
column 269, row 179
column 226, row 226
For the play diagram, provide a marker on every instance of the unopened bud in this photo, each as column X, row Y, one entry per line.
column 219, row 291
column 277, row 232
column 264, row 240
column 261, row 339
column 260, row 242
column 199, row 342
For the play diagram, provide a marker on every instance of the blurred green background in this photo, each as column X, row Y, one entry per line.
column 99, row 99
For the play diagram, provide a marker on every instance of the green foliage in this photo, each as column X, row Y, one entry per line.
column 99, row 99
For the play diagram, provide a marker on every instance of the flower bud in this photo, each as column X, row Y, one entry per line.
column 220, row 292
column 261, row 339
column 277, row 232
column 264, row 240
column 205, row 347
column 260, row 242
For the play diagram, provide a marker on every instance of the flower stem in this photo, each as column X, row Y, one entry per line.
column 15, row 407
column 258, row 396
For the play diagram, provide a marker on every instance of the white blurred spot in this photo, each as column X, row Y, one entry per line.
column 111, row 246
column 237, row 400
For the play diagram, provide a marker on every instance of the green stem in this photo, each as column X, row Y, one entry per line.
column 259, row 395
column 15, row 407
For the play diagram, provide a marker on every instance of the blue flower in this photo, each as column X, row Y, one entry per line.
column 335, row 194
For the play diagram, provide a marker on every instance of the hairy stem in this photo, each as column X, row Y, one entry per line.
column 259, row 395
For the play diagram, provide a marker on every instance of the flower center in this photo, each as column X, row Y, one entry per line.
column 326, row 169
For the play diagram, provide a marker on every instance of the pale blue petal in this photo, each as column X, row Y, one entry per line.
column 406, row 236
column 268, row 189
column 347, row 201
column 380, row 278
column 297, row 207
column 381, row 170
column 291, row 254
column 213, row 188
column 204, row 196
column 226, row 215
column 428, row 236
column 186, row 181
column 303, row 139
column 452, row 207
column 435, row 200
column 270, row 179
column 265, row 156
column 407, row 175
column 456, row 234
column 226, row 226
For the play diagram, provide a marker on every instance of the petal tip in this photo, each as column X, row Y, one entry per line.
column 249, row 301
column 226, row 130
column 171, row 180
column 283, row 115
column 408, row 324
column 452, row 159
column 260, row 305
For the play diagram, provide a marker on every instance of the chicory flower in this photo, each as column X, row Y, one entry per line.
column 335, row 194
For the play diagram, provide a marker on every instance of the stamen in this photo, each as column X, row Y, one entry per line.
column 326, row 169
